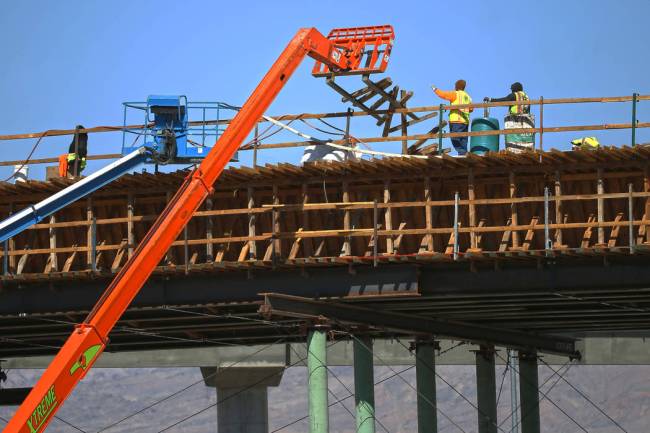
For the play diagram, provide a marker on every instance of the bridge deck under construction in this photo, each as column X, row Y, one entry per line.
column 552, row 242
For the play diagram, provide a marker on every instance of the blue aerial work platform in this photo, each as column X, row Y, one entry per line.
column 174, row 129
column 167, row 130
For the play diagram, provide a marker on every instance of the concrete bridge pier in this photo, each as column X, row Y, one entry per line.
column 242, row 393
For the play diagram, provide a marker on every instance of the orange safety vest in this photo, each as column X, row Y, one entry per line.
column 63, row 165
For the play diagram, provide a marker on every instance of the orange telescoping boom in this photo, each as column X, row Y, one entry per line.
column 341, row 52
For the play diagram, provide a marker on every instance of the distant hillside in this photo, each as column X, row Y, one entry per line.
column 107, row 395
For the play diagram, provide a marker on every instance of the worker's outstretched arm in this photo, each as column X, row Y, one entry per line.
column 448, row 95
column 90, row 338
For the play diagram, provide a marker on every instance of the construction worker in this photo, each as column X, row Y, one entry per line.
column 585, row 143
column 77, row 152
column 518, row 117
column 458, row 118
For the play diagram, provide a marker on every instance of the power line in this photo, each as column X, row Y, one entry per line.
column 548, row 379
column 232, row 395
column 379, row 382
column 586, row 398
column 180, row 391
column 344, row 398
column 539, row 391
column 459, row 393
column 431, row 403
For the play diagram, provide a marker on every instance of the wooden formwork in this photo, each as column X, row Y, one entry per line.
column 496, row 208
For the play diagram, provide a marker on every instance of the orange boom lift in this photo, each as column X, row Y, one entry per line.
column 359, row 50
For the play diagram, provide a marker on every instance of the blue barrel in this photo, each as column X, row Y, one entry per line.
column 484, row 143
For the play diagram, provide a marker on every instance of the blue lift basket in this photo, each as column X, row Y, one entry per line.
column 168, row 132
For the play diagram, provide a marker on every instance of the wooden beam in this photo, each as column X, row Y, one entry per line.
column 600, row 190
column 308, row 244
column 69, row 261
column 472, row 208
column 209, row 231
column 388, row 219
column 252, row 246
column 558, row 208
column 505, row 239
column 613, row 234
column 119, row 255
column 427, row 240
column 347, row 249
column 89, row 231
column 586, row 236
column 130, row 237
column 53, row 263
column 513, row 209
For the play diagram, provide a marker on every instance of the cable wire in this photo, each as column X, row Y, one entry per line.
column 548, row 379
column 220, row 401
column 29, row 156
column 180, row 391
column 583, row 395
column 545, row 394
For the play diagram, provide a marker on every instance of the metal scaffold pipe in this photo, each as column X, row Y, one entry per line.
column 317, row 380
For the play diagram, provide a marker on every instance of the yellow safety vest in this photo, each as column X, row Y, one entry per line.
column 460, row 115
column 586, row 143
column 519, row 109
column 72, row 157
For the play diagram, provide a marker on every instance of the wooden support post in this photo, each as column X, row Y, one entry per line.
column 505, row 239
column 70, row 260
column 130, row 238
column 613, row 234
column 276, row 225
column 388, row 220
column 558, row 209
column 252, row 246
column 53, row 264
column 530, row 233
column 90, row 254
column 308, row 243
column 347, row 249
column 600, row 190
column 427, row 240
column 472, row 209
column 586, row 237
column 169, row 256
column 646, row 213
column 405, row 143
column 513, row 210
column 209, row 232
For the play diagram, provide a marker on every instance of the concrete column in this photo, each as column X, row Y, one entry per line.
column 317, row 380
column 364, row 385
column 425, row 376
column 242, row 396
column 486, row 390
column 529, row 392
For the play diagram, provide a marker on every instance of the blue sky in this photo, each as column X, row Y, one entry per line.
column 69, row 62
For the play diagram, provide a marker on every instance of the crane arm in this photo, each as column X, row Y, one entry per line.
column 89, row 338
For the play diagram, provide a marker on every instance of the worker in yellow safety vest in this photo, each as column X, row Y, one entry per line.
column 77, row 151
column 585, row 143
column 458, row 117
column 517, row 94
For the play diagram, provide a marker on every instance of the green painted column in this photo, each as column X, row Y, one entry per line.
column 425, row 376
column 364, row 385
column 529, row 392
column 486, row 390
column 317, row 380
